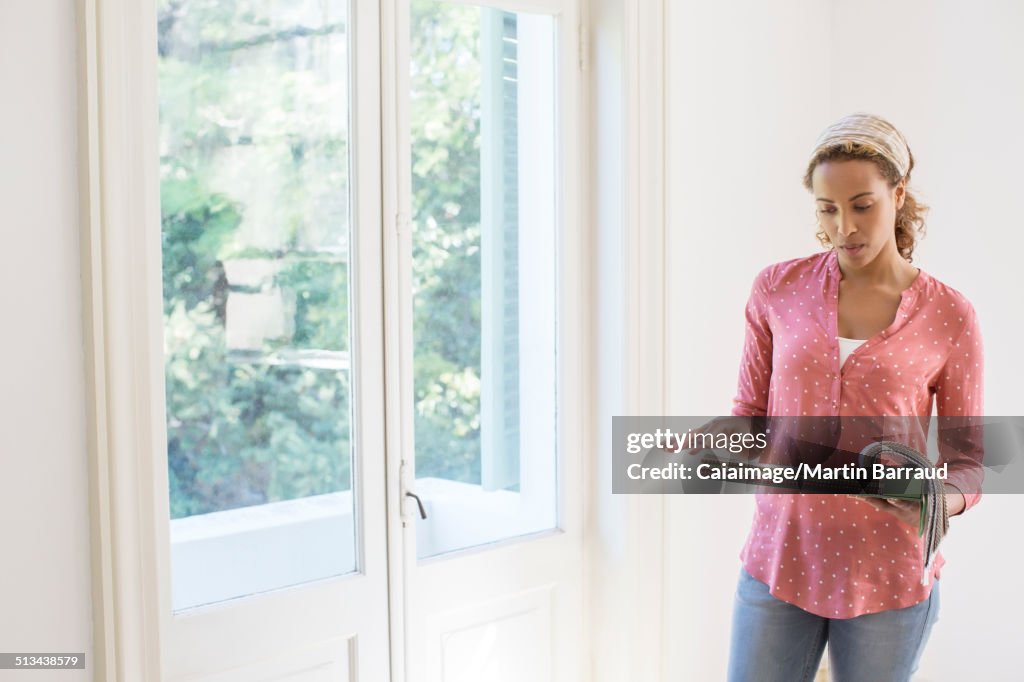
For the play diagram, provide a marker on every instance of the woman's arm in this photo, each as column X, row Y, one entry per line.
column 756, row 364
column 960, row 404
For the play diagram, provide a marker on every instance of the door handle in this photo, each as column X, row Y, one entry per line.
column 419, row 503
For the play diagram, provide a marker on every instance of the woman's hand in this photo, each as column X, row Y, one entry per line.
column 909, row 512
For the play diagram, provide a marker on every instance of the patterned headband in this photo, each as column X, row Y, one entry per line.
column 874, row 132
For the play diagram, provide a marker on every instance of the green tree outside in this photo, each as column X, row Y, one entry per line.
column 254, row 168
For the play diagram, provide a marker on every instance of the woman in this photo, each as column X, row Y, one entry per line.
column 854, row 331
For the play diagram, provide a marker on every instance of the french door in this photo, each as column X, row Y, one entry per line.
column 482, row 292
column 270, row 205
column 335, row 339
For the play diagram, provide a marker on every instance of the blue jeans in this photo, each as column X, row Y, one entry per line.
column 775, row 640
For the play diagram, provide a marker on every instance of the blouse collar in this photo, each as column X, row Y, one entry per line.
column 910, row 292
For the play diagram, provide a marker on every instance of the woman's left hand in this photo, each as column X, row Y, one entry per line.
column 907, row 511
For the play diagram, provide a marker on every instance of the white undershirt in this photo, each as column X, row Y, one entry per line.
column 847, row 346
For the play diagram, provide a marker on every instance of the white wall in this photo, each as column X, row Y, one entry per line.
column 750, row 86
column 45, row 572
column 747, row 84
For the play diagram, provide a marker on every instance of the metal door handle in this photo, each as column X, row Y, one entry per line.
column 419, row 503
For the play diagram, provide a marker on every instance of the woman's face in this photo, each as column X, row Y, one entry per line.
column 857, row 210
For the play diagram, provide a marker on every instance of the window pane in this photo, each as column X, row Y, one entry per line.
column 255, row 215
column 484, row 237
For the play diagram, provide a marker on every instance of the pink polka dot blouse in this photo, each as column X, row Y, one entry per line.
column 834, row 555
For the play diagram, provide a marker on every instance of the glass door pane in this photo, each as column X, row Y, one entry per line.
column 484, row 237
column 255, row 210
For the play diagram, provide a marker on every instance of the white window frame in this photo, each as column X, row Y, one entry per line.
column 123, row 379
column 571, row 161
column 628, row 533
column 119, row 181
column 575, row 343
column 573, row 235
column 123, row 331
column 496, row 511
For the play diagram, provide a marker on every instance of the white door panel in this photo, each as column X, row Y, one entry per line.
column 278, row 545
column 327, row 662
column 502, row 639
column 486, row 376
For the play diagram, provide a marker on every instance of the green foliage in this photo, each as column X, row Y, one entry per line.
column 445, row 127
column 254, row 165
column 321, row 306
column 196, row 224
column 243, row 433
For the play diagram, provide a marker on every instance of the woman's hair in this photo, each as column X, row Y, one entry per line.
column 910, row 224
